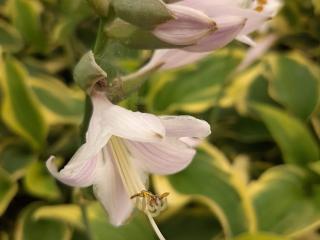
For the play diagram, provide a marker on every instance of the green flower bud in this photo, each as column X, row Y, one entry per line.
column 134, row 36
column 143, row 13
column 87, row 72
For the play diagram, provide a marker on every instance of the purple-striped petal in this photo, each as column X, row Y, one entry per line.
column 187, row 28
column 75, row 175
column 228, row 29
column 185, row 126
column 167, row 157
column 110, row 191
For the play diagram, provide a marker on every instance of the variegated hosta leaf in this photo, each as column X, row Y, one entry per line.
column 19, row 109
column 297, row 144
column 195, row 88
column 60, row 104
column 137, row 227
column 10, row 38
column 294, row 84
column 211, row 181
column 15, row 158
column 247, row 87
column 30, row 228
column 40, row 183
column 8, row 189
column 25, row 16
column 260, row 236
column 286, row 201
column 71, row 14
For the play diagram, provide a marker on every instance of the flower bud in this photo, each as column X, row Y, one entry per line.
column 87, row 72
column 145, row 14
column 188, row 26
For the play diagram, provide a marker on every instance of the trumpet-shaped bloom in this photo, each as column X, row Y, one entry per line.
column 122, row 147
column 234, row 19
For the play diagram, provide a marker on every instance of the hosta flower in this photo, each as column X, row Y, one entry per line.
column 234, row 19
column 122, row 147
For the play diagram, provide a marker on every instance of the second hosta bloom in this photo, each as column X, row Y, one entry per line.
column 234, row 19
column 122, row 147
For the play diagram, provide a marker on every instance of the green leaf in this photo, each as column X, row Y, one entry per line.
column 284, row 201
column 60, row 104
column 194, row 89
column 295, row 141
column 15, row 159
column 68, row 213
column 72, row 13
column 316, row 4
column 25, row 15
column 143, row 13
column 101, row 7
column 10, row 38
column 260, row 236
column 29, row 228
column 137, row 226
column 4, row 236
column 191, row 224
column 8, row 189
column 20, row 111
column 293, row 84
column 40, row 183
column 204, row 178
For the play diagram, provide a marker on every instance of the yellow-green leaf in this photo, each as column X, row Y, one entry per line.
column 26, row 18
column 260, row 236
column 193, row 89
column 40, row 183
column 204, row 179
column 8, row 189
column 294, row 139
column 19, row 109
column 60, row 104
column 294, row 85
column 30, row 228
column 285, row 201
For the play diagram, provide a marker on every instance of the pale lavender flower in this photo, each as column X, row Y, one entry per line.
column 234, row 19
column 188, row 26
column 257, row 51
column 122, row 147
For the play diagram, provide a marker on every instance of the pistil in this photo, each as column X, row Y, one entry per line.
column 146, row 201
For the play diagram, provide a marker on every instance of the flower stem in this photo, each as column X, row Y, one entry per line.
column 84, row 214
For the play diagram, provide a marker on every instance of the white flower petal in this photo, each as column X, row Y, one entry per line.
column 246, row 40
column 124, row 123
column 81, row 175
column 175, row 58
column 216, row 9
column 228, row 28
column 109, row 190
column 185, row 126
column 257, row 51
column 164, row 158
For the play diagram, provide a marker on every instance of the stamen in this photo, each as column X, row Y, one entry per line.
column 260, row 5
column 151, row 204
column 154, row 204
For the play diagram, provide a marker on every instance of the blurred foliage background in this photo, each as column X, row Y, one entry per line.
column 257, row 176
